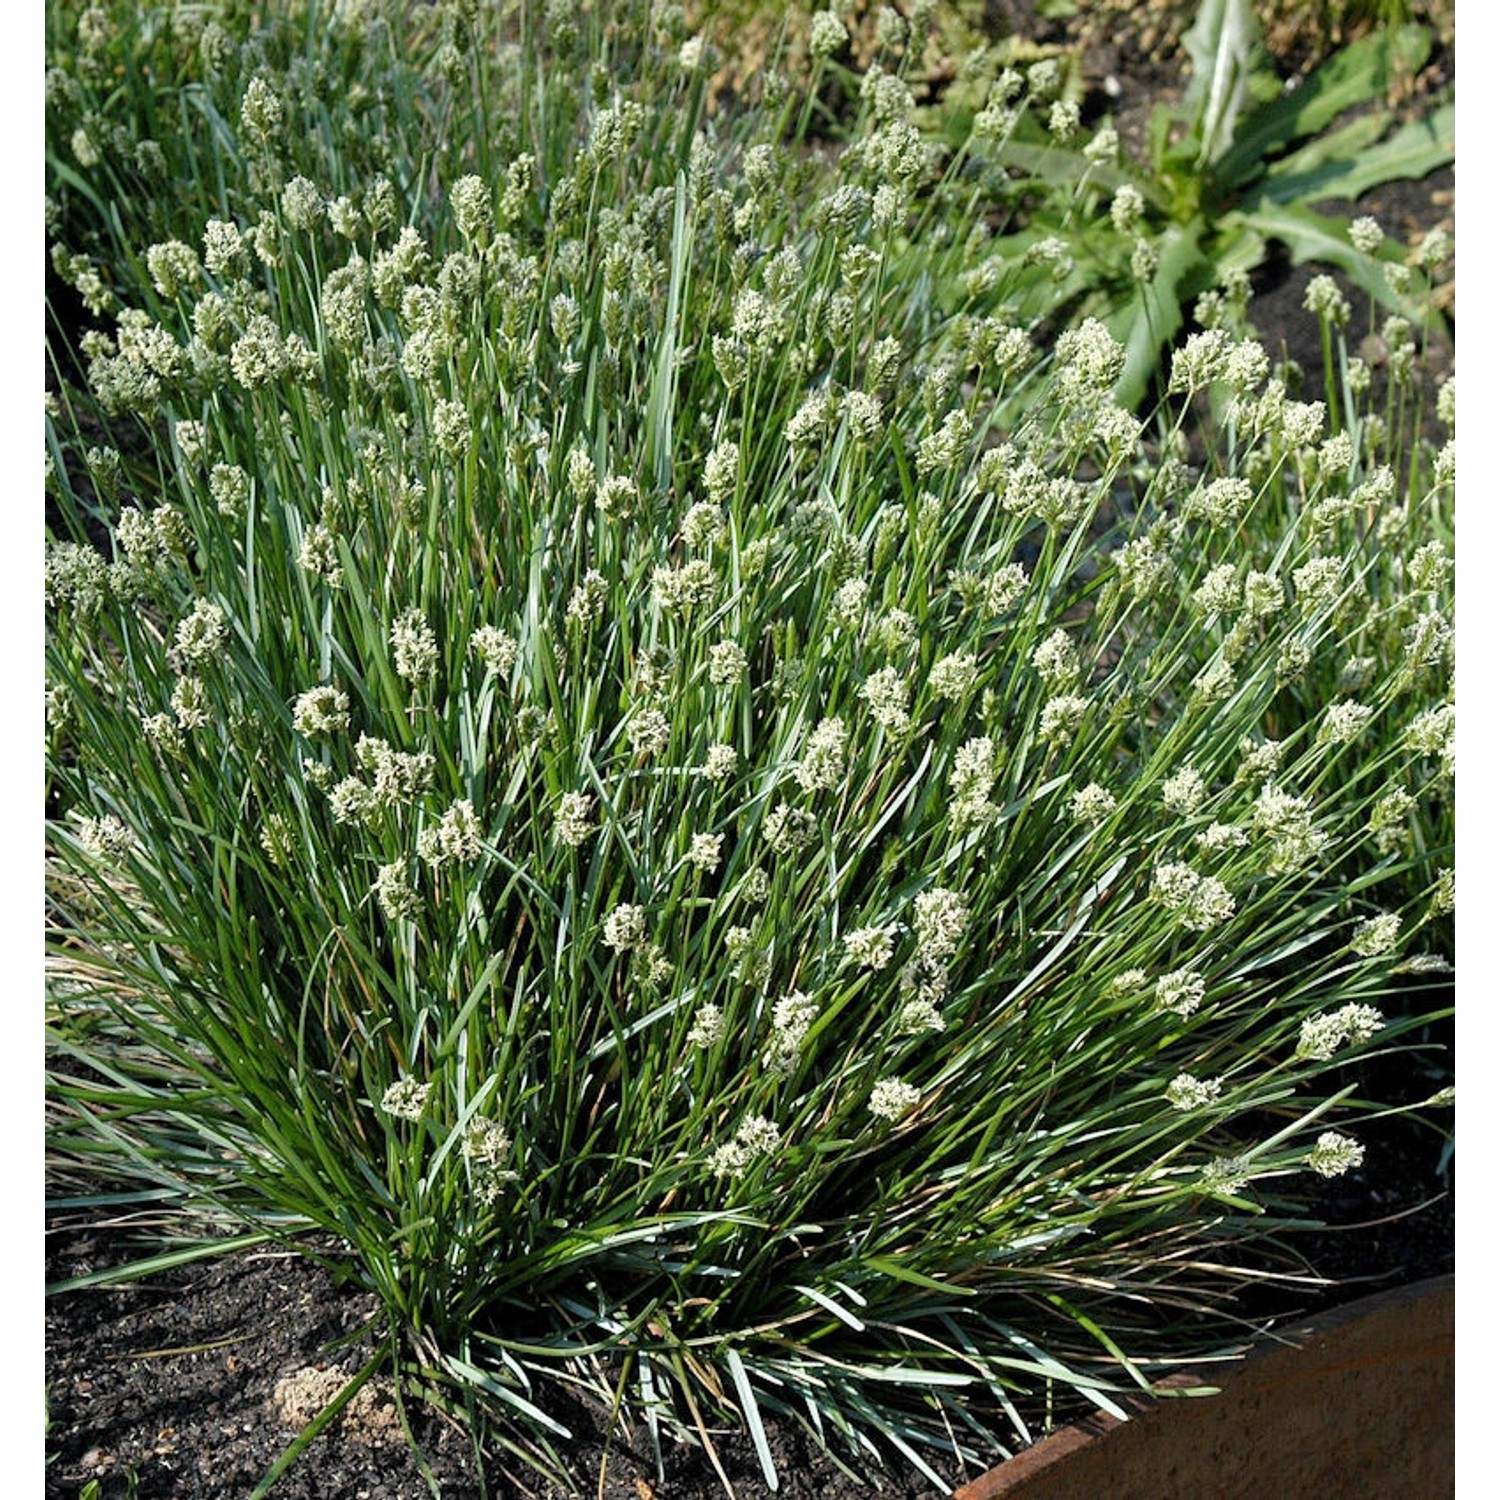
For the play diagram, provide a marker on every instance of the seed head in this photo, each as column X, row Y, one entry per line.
column 891, row 1098
column 1335, row 1154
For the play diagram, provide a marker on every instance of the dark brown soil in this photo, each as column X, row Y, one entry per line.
column 172, row 1384
column 167, row 1388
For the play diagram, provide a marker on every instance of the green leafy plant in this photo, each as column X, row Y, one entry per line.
column 1247, row 170
column 645, row 772
column 1235, row 168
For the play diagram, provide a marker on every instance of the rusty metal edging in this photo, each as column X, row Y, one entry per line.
column 1354, row 1402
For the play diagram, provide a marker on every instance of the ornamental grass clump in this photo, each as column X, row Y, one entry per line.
column 696, row 820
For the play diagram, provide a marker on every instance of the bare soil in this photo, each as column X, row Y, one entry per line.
column 191, row 1386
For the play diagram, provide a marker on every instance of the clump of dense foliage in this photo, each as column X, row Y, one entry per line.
column 628, row 744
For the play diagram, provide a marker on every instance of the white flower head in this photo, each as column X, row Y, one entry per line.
column 847, row 611
column 582, row 475
column 1366, row 235
column 731, row 1159
column 1302, row 423
column 1221, row 590
column 954, row 675
column 886, row 693
column 301, row 203
column 321, row 711
column 84, row 148
column 224, row 249
column 1215, row 682
column 759, row 1133
column 1264, row 595
column 1181, row 991
column 1199, row 902
column 946, row 447
column 703, row 525
column 1200, row 361
column 1126, row 207
column 975, row 768
column 495, row 648
column 891, row 1098
column 574, row 823
column 1090, row 359
column 261, row 112
column 190, row 703
column 351, row 801
column 756, row 1137
column 822, row 765
column 1183, row 792
column 895, row 631
column 586, row 603
column 473, row 209
column 406, row 1099
column 1227, row 1174
column 485, row 1141
column 828, row 33
column 862, row 412
column 201, row 635
column 678, row 590
column 1388, row 819
column 413, row 645
column 161, row 729
column 1218, row 838
column 457, row 836
column 704, row 852
column 105, row 838
column 939, row 919
column 1324, row 300
column 319, row 555
column 1092, row 803
column 719, row 763
column 1062, row 716
column 278, row 839
column 1221, row 502
column 399, row 776
column 1431, row 731
column 871, row 947
column 919, row 1013
column 618, row 497
column 1343, row 721
column 1104, row 147
column 228, row 487
column 1259, row 762
column 625, row 927
column 649, row 732
column 1376, row 935
column 788, row 829
column 1004, row 587
column 398, row 898
column 173, row 268
column 1335, row 1154
column 1056, row 659
column 791, row 1020
column 1186, row 1092
column 1322, row 1035
column 708, row 1026
column 452, row 430
column 1319, row 581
